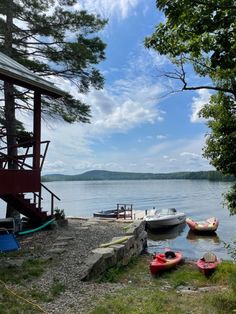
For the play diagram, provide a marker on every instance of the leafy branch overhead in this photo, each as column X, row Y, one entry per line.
column 53, row 39
column 203, row 34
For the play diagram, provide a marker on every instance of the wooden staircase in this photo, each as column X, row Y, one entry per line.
column 24, row 206
column 16, row 185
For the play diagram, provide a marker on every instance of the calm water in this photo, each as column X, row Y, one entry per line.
column 198, row 199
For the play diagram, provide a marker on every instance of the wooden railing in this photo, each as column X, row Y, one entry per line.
column 53, row 196
column 22, row 160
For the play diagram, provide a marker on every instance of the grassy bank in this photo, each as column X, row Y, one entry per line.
column 181, row 291
column 18, row 272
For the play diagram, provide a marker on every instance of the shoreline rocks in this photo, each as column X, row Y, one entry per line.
column 68, row 248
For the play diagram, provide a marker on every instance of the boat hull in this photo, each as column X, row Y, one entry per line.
column 207, row 268
column 107, row 214
column 164, row 222
column 208, row 226
column 161, row 263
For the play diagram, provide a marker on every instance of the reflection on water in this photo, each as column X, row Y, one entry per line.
column 166, row 234
column 193, row 237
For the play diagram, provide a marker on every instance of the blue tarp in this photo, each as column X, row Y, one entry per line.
column 8, row 242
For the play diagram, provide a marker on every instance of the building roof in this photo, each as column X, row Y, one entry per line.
column 14, row 72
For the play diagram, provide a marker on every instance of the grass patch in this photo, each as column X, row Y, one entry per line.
column 144, row 293
column 115, row 274
column 20, row 275
column 29, row 269
column 57, row 288
column 185, row 275
column 226, row 273
column 17, row 301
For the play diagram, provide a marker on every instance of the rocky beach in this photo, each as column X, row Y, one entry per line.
column 66, row 248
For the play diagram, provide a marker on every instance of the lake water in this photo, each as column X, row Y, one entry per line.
column 198, row 199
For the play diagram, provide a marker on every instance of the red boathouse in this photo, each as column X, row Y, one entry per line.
column 25, row 176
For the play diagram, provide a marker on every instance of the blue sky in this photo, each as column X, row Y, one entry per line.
column 137, row 124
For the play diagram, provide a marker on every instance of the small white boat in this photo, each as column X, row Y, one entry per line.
column 165, row 218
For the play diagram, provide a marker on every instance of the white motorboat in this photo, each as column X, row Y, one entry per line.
column 165, row 218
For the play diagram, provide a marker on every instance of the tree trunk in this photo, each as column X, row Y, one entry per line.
column 9, row 110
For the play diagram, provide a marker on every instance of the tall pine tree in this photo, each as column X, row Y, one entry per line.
column 52, row 39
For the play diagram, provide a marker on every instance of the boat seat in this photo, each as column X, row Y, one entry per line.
column 170, row 254
column 161, row 258
column 209, row 257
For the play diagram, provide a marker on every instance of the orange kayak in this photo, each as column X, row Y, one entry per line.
column 165, row 261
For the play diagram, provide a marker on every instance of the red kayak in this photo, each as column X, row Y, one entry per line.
column 165, row 261
column 208, row 263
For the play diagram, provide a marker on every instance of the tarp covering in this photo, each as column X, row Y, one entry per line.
column 8, row 242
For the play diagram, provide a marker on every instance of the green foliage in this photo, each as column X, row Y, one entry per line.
column 203, row 34
column 220, row 146
column 230, row 200
column 221, row 142
column 54, row 39
column 59, row 214
column 231, row 247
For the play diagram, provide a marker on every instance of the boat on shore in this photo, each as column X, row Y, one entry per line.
column 121, row 211
column 208, row 263
column 107, row 214
column 209, row 225
column 164, row 261
column 165, row 218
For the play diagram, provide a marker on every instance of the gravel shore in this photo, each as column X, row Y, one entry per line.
column 68, row 247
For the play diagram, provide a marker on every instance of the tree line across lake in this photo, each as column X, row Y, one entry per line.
column 113, row 175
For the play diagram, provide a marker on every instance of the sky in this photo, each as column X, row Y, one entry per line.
column 138, row 124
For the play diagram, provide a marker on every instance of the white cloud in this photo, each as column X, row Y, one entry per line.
column 161, row 137
column 189, row 154
column 109, row 8
column 202, row 98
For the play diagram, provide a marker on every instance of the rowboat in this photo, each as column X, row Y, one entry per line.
column 121, row 211
column 209, row 225
column 208, row 263
column 165, row 261
column 165, row 218
column 106, row 214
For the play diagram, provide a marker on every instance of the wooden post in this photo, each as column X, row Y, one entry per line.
column 52, row 204
column 37, row 129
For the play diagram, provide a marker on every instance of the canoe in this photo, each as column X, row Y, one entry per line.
column 165, row 261
column 208, row 263
column 209, row 225
column 165, row 218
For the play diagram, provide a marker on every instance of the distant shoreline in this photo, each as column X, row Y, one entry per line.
column 102, row 175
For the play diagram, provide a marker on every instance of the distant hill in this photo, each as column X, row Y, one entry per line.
column 113, row 175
